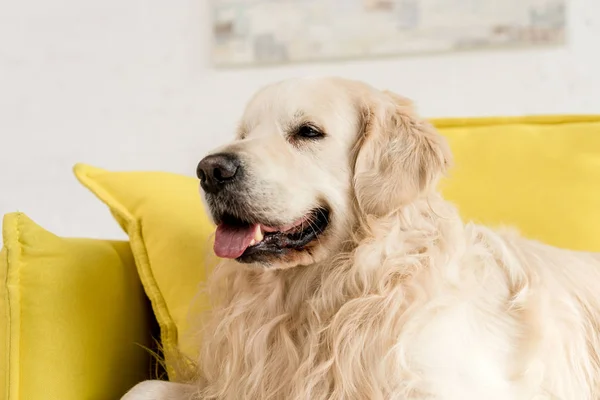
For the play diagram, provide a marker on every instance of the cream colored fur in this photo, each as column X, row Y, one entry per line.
column 399, row 299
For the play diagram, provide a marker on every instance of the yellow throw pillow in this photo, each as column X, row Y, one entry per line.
column 73, row 316
column 170, row 236
column 539, row 174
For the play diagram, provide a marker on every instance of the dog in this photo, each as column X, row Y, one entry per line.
column 346, row 275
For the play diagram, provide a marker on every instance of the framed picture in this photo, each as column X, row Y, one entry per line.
column 258, row 32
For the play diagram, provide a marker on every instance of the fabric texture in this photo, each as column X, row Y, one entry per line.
column 170, row 236
column 538, row 174
column 74, row 320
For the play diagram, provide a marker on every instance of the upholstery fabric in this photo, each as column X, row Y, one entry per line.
column 74, row 320
column 538, row 174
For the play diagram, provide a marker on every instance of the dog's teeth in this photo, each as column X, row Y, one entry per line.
column 253, row 242
column 258, row 235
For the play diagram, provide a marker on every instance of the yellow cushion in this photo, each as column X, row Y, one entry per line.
column 73, row 316
column 540, row 174
column 170, row 237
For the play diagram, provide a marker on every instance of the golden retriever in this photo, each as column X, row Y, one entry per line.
column 350, row 277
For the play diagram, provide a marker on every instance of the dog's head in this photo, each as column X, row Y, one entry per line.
column 311, row 158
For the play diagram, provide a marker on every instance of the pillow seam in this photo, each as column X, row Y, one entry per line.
column 18, row 221
column 14, row 255
column 140, row 252
column 6, row 344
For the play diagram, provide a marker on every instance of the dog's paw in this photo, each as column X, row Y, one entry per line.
column 159, row 390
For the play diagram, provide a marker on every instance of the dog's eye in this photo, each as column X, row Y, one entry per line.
column 309, row 132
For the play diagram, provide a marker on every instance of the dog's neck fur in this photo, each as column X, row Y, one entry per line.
column 317, row 315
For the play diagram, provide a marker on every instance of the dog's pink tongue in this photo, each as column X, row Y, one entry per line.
column 232, row 241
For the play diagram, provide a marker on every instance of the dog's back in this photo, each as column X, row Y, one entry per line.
column 554, row 295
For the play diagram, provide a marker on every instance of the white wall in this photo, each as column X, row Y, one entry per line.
column 128, row 85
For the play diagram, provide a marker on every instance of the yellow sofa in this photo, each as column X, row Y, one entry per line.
column 77, row 315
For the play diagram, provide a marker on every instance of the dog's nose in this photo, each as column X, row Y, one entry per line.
column 216, row 170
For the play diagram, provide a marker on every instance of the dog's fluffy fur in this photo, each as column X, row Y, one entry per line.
column 398, row 299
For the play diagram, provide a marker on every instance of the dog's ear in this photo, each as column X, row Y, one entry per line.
column 399, row 156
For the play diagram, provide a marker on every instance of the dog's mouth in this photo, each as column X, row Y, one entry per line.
column 245, row 242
